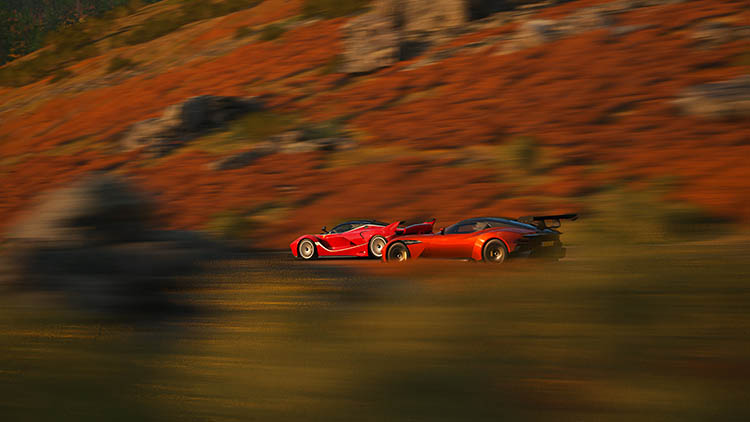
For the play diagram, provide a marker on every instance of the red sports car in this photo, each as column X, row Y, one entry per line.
column 490, row 239
column 358, row 238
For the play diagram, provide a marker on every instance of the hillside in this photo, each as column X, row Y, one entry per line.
column 477, row 121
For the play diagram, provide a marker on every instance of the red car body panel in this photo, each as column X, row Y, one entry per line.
column 355, row 242
column 462, row 245
column 517, row 236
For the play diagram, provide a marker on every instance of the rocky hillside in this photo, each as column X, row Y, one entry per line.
column 396, row 112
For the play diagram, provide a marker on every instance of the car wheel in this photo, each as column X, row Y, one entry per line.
column 494, row 251
column 398, row 252
column 306, row 249
column 377, row 243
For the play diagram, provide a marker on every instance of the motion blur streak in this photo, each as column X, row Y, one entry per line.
column 652, row 333
column 157, row 156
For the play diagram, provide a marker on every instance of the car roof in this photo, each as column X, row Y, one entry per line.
column 503, row 219
column 363, row 221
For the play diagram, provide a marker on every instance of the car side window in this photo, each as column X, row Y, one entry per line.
column 341, row 228
column 466, row 228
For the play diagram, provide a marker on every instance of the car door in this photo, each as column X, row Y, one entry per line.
column 336, row 238
column 357, row 235
column 456, row 244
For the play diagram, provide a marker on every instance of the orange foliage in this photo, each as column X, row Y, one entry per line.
column 266, row 12
column 593, row 98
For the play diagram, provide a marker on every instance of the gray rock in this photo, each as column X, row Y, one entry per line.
column 98, row 208
column 95, row 243
column 423, row 15
column 371, row 41
column 181, row 122
column 725, row 99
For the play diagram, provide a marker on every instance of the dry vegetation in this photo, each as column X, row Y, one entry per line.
column 590, row 115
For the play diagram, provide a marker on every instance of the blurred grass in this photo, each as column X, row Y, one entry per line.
column 245, row 131
column 630, row 216
column 272, row 32
column 261, row 125
column 81, row 40
column 333, row 8
column 120, row 63
column 612, row 334
column 190, row 11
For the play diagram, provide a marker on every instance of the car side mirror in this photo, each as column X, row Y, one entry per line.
column 325, row 230
column 442, row 230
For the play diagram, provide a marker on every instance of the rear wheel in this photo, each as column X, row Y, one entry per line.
column 494, row 251
column 398, row 252
column 377, row 243
column 306, row 249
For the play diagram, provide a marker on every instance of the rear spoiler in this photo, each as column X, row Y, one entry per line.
column 421, row 228
column 540, row 221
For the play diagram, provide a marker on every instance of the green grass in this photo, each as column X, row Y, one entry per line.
column 72, row 43
column 261, row 125
column 245, row 131
column 522, row 153
column 153, row 28
column 61, row 75
column 243, row 32
column 333, row 65
column 120, row 63
column 230, row 225
column 47, row 62
column 613, row 334
column 644, row 217
column 190, row 11
column 333, row 8
column 272, row 32
column 742, row 59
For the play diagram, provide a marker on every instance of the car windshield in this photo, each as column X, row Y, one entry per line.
column 476, row 224
column 349, row 225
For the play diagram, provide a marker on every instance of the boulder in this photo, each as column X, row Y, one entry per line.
column 244, row 158
column 98, row 208
column 181, row 122
column 725, row 99
column 423, row 15
column 371, row 41
column 291, row 142
column 95, row 243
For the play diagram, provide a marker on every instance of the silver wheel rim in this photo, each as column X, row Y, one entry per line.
column 495, row 252
column 306, row 249
column 377, row 247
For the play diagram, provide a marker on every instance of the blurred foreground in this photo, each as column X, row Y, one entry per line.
column 611, row 333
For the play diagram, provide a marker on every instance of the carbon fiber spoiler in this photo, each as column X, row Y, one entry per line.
column 540, row 221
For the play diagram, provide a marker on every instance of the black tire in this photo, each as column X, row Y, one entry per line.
column 494, row 251
column 306, row 250
column 397, row 252
column 376, row 246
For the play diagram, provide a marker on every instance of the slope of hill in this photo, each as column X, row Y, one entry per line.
column 475, row 123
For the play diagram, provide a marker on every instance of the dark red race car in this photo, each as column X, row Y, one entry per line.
column 357, row 238
column 489, row 239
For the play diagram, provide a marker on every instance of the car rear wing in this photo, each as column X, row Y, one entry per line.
column 547, row 221
column 420, row 228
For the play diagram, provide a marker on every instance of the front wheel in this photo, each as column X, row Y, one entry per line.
column 398, row 252
column 377, row 243
column 494, row 252
column 306, row 249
